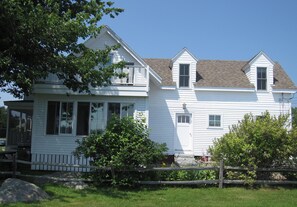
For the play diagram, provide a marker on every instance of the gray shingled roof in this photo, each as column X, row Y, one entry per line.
column 219, row 73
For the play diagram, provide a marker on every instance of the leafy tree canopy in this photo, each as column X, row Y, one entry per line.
column 294, row 117
column 39, row 37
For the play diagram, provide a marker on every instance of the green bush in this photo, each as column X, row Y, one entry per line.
column 265, row 141
column 183, row 175
column 123, row 146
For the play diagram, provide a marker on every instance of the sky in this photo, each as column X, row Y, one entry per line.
column 210, row 29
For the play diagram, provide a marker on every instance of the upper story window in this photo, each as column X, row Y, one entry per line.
column 261, row 78
column 184, row 75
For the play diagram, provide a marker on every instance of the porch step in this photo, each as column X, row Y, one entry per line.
column 185, row 160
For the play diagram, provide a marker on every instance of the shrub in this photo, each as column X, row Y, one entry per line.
column 261, row 142
column 124, row 145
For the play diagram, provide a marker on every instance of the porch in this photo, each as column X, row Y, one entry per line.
column 19, row 127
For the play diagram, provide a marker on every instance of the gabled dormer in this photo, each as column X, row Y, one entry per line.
column 259, row 71
column 183, row 67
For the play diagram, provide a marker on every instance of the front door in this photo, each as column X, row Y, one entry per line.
column 183, row 138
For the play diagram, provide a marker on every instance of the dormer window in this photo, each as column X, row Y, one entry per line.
column 261, row 79
column 184, row 75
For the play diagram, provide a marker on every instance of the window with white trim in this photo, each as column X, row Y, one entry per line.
column 90, row 118
column 214, row 121
column 59, row 117
column 183, row 119
column 120, row 109
column 184, row 75
column 261, row 79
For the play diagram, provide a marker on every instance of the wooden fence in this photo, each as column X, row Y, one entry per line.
column 221, row 169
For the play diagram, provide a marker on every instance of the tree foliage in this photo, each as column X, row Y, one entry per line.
column 39, row 37
column 265, row 141
column 124, row 145
column 294, row 117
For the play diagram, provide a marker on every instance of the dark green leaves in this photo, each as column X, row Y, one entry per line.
column 38, row 37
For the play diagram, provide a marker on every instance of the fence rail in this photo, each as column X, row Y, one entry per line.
column 221, row 181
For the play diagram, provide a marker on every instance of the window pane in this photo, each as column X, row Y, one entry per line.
column 66, row 118
column 211, row 123
column 53, row 111
column 179, row 119
column 113, row 109
column 127, row 109
column 214, row 120
column 97, row 117
column 83, row 110
column 261, row 79
column 184, row 76
column 187, row 119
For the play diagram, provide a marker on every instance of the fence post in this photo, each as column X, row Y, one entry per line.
column 221, row 174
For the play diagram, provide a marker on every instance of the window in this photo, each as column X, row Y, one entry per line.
column 66, row 118
column 59, row 117
column 183, row 119
column 184, row 75
column 127, row 109
column 83, row 111
column 214, row 121
column 53, row 114
column 97, row 122
column 90, row 118
column 261, row 79
column 122, row 110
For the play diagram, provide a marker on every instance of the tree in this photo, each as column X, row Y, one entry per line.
column 294, row 117
column 124, row 145
column 39, row 37
column 257, row 142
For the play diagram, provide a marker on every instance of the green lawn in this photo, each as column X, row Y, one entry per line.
column 169, row 196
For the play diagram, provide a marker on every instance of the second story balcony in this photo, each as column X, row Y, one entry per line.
column 133, row 76
column 134, row 79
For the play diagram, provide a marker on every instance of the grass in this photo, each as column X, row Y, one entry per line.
column 171, row 196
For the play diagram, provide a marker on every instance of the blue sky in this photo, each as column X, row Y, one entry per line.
column 212, row 29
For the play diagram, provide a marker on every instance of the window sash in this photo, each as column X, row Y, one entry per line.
column 261, row 78
column 53, row 117
column 66, row 117
column 214, row 121
column 83, row 114
column 184, row 75
column 97, row 122
column 183, row 119
column 120, row 109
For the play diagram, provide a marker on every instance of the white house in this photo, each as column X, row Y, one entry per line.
column 187, row 102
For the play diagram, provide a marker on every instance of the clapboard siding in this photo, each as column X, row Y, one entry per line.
column 65, row 144
column 232, row 106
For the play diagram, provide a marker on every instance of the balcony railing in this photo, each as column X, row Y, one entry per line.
column 134, row 76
